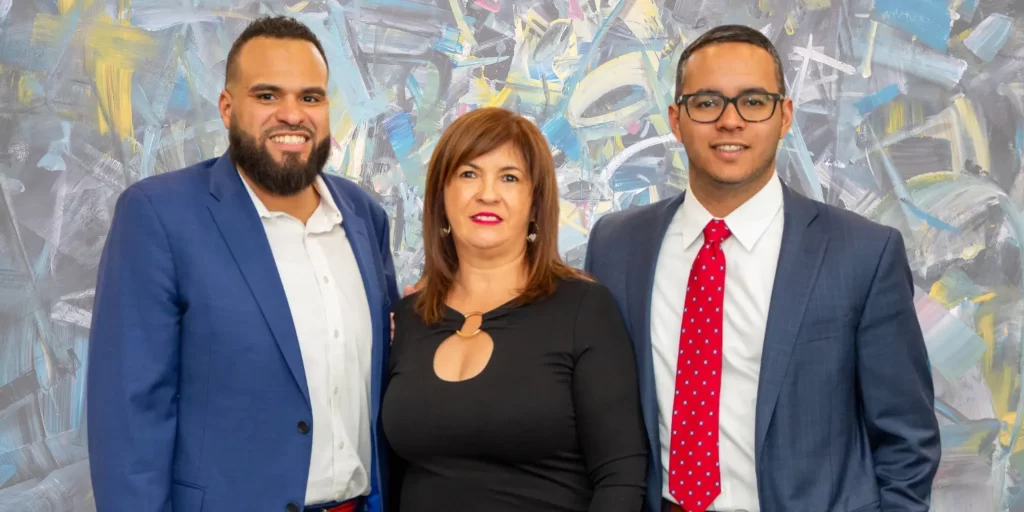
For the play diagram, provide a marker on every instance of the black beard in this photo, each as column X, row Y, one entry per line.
column 280, row 179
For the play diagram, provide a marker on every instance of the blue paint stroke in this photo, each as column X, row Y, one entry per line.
column 53, row 160
column 414, row 89
column 916, row 60
column 929, row 20
column 1016, row 222
column 483, row 61
column 953, row 347
column 6, row 472
column 399, row 130
column 449, row 43
column 363, row 100
column 872, row 101
column 561, row 135
column 929, row 219
column 989, row 37
column 179, row 96
column 967, row 9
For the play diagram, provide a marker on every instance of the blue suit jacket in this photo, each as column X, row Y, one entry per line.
column 195, row 381
column 844, row 408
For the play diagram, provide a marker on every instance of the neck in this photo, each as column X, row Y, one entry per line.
column 481, row 274
column 301, row 205
column 721, row 199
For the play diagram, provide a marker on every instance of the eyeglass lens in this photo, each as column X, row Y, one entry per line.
column 752, row 107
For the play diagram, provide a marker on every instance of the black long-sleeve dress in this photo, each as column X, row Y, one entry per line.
column 552, row 423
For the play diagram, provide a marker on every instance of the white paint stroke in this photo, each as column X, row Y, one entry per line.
column 821, row 58
column 625, row 154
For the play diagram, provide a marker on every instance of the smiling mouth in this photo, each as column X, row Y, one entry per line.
column 290, row 139
column 729, row 148
column 485, row 218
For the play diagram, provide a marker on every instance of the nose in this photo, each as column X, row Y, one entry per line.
column 730, row 119
column 488, row 192
column 289, row 112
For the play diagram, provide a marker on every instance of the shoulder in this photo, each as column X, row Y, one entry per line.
column 169, row 189
column 360, row 198
column 626, row 221
column 586, row 296
column 857, row 239
column 853, row 230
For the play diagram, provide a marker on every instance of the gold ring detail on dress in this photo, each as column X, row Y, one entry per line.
column 464, row 318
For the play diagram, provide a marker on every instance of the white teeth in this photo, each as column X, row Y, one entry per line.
column 289, row 139
column 489, row 218
column 729, row 147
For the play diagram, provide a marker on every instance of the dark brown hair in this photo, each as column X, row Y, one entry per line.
column 474, row 134
column 731, row 34
column 274, row 27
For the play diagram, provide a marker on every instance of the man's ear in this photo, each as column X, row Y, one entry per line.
column 224, row 104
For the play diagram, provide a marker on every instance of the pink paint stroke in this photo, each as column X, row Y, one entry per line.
column 492, row 6
column 574, row 10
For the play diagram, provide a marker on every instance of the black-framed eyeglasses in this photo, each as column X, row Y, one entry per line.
column 708, row 107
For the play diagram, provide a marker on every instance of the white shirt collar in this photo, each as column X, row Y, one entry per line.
column 327, row 207
column 747, row 223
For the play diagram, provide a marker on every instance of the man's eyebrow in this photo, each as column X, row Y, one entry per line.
column 319, row 91
column 748, row 90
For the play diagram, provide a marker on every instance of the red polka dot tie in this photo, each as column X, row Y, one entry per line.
column 694, row 477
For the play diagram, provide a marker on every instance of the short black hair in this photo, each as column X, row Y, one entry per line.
column 730, row 34
column 275, row 27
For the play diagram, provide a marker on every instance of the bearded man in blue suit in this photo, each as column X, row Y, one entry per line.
column 240, row 325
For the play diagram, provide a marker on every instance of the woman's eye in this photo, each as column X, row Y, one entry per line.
column 510, row 178
column 467, row 174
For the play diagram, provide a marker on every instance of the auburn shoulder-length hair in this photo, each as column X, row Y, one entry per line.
column 474, row 134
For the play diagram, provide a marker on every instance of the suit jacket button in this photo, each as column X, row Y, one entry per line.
column 292, row 507
column 303, row 427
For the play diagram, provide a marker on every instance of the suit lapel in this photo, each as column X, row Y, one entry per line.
column 239, row 223
column 644, row 254
column 801, row 254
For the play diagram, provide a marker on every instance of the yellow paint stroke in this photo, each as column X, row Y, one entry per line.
column 113, row 50
column 644, row 20
column 790, row 25
column 895, row 123
column 297, row 7
column 466, row 35
column 63, row 6
column 984, row 298
column 24, row 93
column 962, row 35
column 817, row 5
column 765, row 6
column 979, row 143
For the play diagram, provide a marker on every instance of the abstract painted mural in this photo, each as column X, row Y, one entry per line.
column 909, row 112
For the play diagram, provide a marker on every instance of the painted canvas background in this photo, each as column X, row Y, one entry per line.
column 910, row 112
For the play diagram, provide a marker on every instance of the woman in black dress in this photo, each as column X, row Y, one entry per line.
column 513, row 384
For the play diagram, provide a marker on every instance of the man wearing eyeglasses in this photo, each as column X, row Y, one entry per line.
column 782, row 365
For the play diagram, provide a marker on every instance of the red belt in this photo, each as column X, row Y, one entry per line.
column 348, row 506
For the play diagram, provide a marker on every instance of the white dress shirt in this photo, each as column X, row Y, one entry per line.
column 751, row 255
column 332, row 320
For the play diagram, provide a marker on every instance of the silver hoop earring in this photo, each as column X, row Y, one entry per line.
column 447, row 230
column 532, row 236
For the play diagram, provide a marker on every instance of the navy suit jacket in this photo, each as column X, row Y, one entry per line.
column 196, row 388
column 844, row 415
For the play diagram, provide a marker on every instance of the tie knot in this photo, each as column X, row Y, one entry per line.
column 716, row 231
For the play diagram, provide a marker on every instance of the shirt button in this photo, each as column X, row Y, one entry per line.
column 303, row 427
column 292, row 507
column 326, row 280
column 336, row 334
